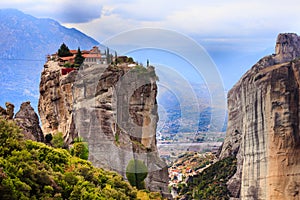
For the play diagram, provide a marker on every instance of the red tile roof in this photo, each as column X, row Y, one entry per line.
column 73, row 51
column 67, row 58
column 91, row 55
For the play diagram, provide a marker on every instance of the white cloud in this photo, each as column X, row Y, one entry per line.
column 222, row 22
column 66, row 11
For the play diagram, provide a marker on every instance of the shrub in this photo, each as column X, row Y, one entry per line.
column 136, row 172
column 68, row 65
column 81, row 150
column 48, row 137
column 58, row 140
column 33, row 170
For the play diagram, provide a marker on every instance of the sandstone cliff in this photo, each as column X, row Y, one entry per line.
column 56, row 101
column 26, row 119
column 264, row 128
column 113, row 108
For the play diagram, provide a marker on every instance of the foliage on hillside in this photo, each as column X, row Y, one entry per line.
column 33, row 170
column 211, row 183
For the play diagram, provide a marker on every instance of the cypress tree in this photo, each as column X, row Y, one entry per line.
column 64, row 51
column 78, row 58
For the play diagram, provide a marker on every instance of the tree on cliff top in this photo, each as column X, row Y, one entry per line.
column 78, row 58
column 64, row 51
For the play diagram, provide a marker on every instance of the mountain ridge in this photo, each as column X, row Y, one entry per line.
column 24, row 43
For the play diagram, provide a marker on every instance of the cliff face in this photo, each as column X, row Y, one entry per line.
column 113, row 108
column 56, row 101
column 263, row 126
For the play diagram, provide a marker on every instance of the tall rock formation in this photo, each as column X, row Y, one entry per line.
column 26, row 118
column 56, row 101
column 264, row 128
column 113, row 108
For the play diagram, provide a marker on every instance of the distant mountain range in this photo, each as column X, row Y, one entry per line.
column 24, row 43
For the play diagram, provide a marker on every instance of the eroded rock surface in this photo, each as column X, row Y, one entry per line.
column 27, row 119
column 264, row 128
column 113, row 108
column 7, row 113
column 56, row 101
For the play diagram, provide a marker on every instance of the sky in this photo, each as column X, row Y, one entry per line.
column 234, row 33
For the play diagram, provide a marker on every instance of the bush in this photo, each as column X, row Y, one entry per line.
column 81, row 150
column 48, row 137
column 10, row 136
column 136, row 172
column 58, row 140
column 68, row 65
column 33, row 170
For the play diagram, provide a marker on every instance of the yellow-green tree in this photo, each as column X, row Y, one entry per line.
column 136, row 172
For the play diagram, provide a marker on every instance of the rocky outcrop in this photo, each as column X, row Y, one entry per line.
column 7, row 113
column 56, row 101
column 113, row 108
column 26, row 118
column 264, row 128
column 28, row 121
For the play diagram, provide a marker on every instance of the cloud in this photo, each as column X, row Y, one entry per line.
column 65, row 11
column 223, row 25
column 29, row 93
column 144, row 10
column 234, row 18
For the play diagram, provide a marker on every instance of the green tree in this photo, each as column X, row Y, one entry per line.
column 80, row 149
column 130, row 60
column 58, row 140
column 78, row 58
column 136, row 172
column 10, row 135
column 64, row 51
column 108, row 56
column 48, row 137
column 116, row 58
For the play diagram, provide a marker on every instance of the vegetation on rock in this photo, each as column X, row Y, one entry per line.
column 136, row 172
column 78, row 58
column 64, row 51
column 211, row 183
column 80, row 149
column 33, row 170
